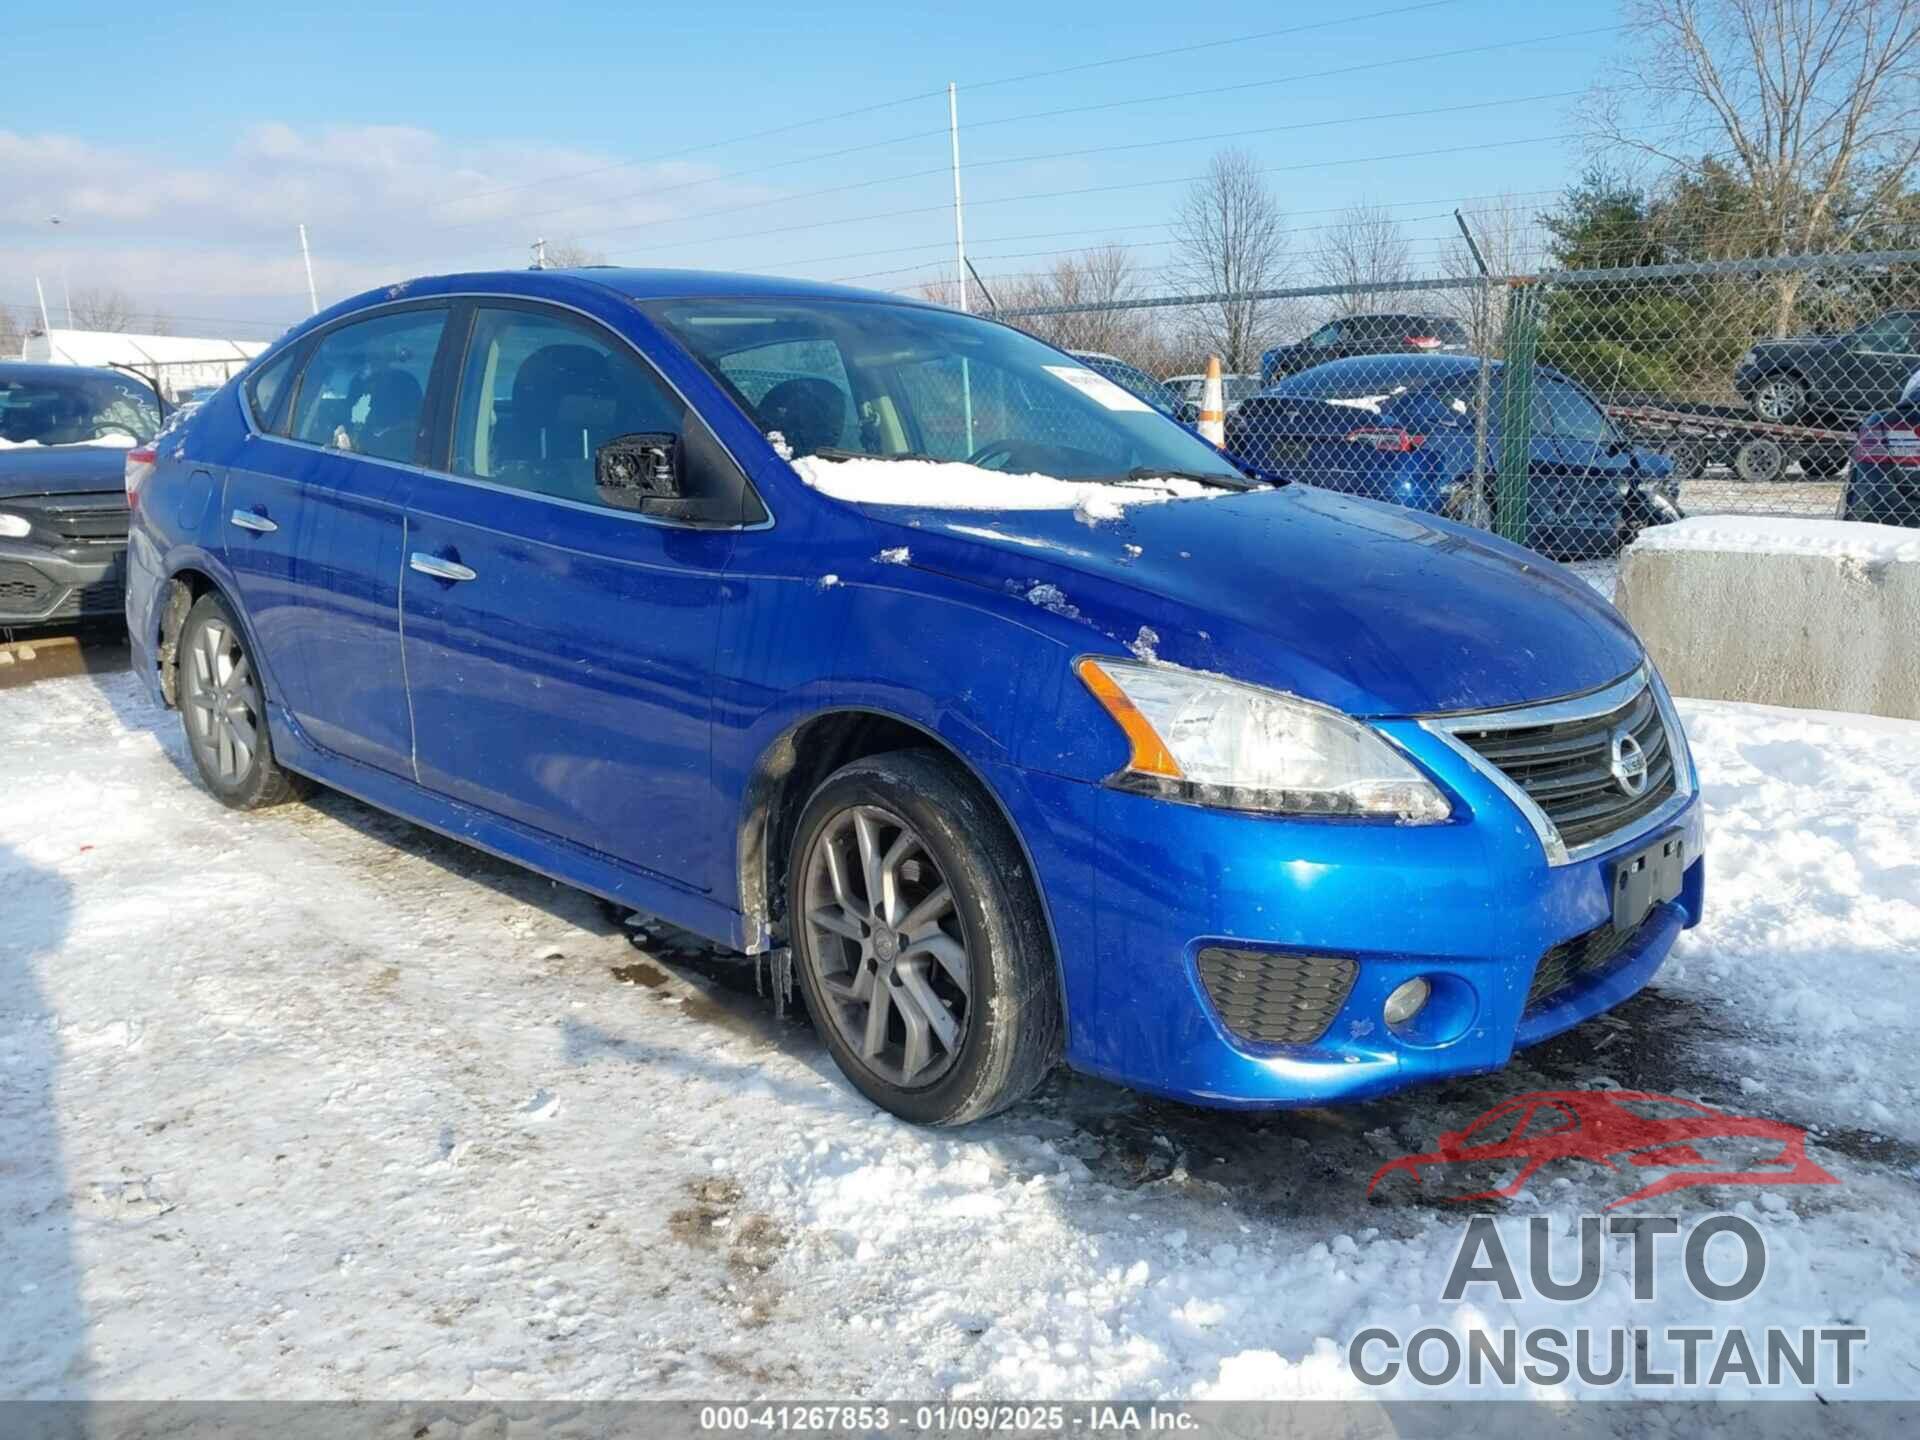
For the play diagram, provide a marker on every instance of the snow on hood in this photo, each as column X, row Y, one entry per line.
column 954, row 485
column 105, row 442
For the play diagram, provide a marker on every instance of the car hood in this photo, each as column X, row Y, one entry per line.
column 1370, row 608
column 61, row 469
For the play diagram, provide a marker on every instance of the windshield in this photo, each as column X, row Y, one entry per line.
column 840, row 378
column 84, row 408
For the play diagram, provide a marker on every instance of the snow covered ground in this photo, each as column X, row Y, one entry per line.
column 312, row 1103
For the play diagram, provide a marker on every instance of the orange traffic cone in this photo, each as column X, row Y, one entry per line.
column 1213, row 405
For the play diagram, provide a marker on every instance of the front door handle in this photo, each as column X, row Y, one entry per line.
column 247, row 520
column 440, row 569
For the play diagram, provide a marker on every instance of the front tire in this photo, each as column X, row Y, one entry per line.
column 1778, row 399
column 919, row 941
column 223, row 706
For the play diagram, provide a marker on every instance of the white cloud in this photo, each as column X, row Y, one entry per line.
column 217, row 240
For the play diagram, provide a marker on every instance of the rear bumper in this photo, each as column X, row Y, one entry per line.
column 1884, row 495
column 1136, row 888
column 39, row 585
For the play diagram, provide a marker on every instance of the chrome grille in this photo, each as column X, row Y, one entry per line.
column 1565, row 767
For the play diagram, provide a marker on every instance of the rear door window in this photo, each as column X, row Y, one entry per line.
column 364, row 388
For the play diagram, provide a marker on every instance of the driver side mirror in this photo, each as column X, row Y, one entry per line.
column 640, row 472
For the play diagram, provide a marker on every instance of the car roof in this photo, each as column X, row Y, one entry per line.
column 1424, row 366
column 635, row 284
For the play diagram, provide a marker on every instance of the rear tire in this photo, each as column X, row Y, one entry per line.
column 223, row 707
column 907, row 892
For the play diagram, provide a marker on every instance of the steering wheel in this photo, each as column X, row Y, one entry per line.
column 1001, row 450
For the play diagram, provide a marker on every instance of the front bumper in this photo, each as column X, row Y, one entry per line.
column 1137, row 887
column 40, row 585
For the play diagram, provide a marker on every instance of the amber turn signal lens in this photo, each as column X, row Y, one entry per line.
column 1150, row 753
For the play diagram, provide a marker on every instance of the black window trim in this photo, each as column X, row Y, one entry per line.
column 440, row 423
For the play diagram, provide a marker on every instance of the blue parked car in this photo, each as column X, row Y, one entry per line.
column 1400, row 428
column 1883, row 487
column 893, row 641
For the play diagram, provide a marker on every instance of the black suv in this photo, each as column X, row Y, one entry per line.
column 1353, row 335
column 1815, row 377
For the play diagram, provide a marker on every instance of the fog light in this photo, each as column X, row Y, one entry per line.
column 1407, row 1000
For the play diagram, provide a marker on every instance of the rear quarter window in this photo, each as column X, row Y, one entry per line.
column 267, row 392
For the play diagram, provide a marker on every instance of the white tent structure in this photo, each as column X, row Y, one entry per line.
column 177, row 363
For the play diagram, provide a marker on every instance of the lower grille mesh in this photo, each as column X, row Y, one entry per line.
column 1274, row 999
column 1581, row 958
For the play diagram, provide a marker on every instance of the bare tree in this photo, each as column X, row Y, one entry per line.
column 1816, row 104
column 102, row 308
column 1363, row 250
column 571, row 254
column 11, row 337
column 1507, row 235
column 1230, row 239
column 1095, row 281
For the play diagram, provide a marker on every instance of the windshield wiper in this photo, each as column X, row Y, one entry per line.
column 835, row 452
column 1161, row 472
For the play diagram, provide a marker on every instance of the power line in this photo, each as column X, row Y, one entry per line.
column 1071, row 154
column 926, row 94
column 1422, row 58
column 1099, row 190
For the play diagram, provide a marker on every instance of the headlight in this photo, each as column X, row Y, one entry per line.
column 1214, row 741
column 14, row 527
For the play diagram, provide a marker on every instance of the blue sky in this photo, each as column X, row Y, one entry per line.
column 450, row 137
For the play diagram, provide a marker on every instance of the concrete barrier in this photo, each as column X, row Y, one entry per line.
column 1818, row 614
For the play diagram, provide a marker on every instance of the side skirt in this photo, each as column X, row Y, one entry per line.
column 545, row 854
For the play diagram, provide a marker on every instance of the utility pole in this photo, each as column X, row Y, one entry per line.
column 45, row 323
column 313, row 296
column 959, row 218
column 539, row 254
column 66, row 280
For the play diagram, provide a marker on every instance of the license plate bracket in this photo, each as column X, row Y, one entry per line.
column 1647, row 878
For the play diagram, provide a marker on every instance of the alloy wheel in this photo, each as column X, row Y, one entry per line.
column 1777, row 400
column 222, row 702
column 887, row 946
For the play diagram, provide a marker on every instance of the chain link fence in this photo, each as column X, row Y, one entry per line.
column 1567, row 410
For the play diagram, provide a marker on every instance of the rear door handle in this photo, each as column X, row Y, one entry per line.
column 440, row 569
column 247, row 520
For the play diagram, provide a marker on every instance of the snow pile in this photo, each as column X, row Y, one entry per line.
column 115, row 441
column 1784, row 535
column 898, row 555
column 379, row 1074
column 952, row 485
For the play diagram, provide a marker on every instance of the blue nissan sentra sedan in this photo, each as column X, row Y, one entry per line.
column 895, row 642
